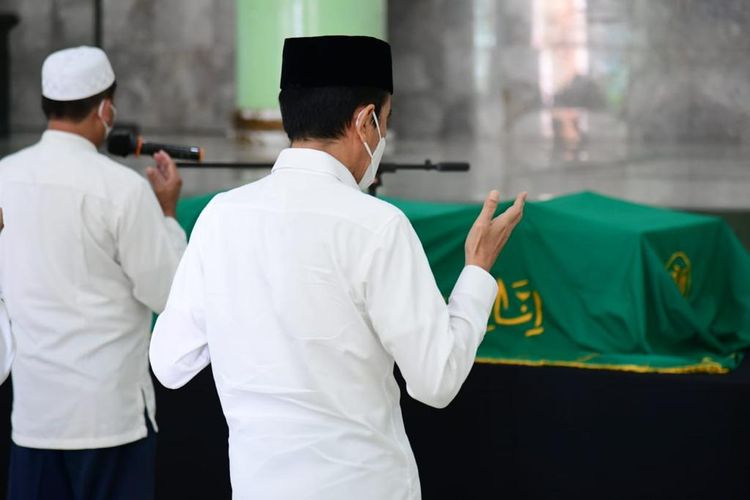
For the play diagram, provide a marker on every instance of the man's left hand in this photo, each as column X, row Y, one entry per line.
column 166, row 182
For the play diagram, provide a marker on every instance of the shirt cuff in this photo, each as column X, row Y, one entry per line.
column 478, row 283
column 172, row 222
column 176, row 234
column 7, row 343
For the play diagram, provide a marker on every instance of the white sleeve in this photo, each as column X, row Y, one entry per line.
column 176, row 235
column 179, row 348
column 434, row 344
column 149, row 247
column 7, row 344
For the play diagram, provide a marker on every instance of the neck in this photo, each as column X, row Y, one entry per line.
column 334, row 148
column 82, row 129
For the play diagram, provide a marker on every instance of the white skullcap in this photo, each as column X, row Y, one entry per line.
column 77, row 73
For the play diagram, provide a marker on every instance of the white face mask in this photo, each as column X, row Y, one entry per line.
column 107, row 126
column 375, row 157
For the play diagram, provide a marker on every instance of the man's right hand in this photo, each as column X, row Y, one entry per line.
column 489, row 234
column 166, row 181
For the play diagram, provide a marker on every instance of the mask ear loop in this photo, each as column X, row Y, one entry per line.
column 377, row 125
column 367, row 148
column 107, row 127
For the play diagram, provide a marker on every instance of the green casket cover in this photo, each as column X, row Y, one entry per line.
column 589, row 281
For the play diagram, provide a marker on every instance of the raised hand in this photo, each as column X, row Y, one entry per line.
column 489, row 234
column 166, row 182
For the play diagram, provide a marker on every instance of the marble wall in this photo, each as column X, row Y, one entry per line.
column 45, row 26
column 572, row 73
column 174, row 59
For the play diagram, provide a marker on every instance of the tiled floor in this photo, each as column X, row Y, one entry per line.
column 694, row 177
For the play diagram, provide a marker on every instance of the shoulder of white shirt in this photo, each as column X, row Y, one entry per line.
column 365, row 210
column 125, row 181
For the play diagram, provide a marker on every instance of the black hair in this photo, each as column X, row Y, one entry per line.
column 75, row 111
column 324, row 112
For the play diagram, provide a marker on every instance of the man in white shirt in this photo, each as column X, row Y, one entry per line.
column 6, row 338
column 302, row 291
column 88, row 251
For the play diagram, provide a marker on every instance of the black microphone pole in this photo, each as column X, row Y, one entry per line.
column 232, row 165
column 385, row 168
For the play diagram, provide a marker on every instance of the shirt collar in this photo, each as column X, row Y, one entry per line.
column 314, row 160
column 68, row 138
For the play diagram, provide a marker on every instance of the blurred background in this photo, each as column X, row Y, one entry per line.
column 647, row 100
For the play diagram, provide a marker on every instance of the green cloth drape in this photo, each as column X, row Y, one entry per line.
column 594, row 282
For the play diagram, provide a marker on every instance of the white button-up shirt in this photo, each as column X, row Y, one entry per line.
column 85, row 256
column 301, row 291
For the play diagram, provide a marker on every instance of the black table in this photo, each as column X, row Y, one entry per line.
column 515, row 433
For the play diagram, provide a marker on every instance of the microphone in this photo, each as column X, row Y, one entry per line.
column 126, row 143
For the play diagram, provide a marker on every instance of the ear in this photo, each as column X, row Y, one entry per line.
column 106, row 107
column 361, row 120
column 100, row 109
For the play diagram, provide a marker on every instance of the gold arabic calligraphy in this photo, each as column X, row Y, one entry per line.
column 523, row 307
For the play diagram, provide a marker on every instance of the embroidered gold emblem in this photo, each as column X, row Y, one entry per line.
column 679, row 267
column 522, row 305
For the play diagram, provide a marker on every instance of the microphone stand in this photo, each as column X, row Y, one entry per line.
column 385, row 168
column 392, row 168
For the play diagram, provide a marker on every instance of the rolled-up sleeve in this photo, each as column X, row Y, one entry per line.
column 433, row 343
column 149, row 247
column 179, row 347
